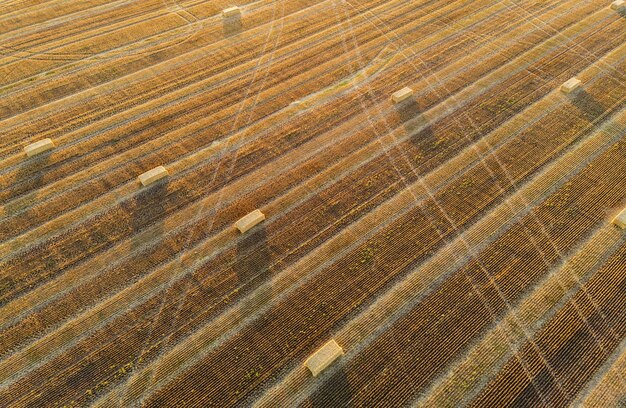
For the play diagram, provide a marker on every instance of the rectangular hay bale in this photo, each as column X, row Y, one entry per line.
column 153, row 175
column 401, row 95
column 231, row 11
column 38, row 147
column 618, row 5
column 570, row 85
column 620, row 219
column 250, row 220
column 323, row 357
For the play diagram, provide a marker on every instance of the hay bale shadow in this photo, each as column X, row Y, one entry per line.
column 411, row 117
column 334, row 391
column 589, row 106
column 408, row 110
column 36, row 178
column 252, row 266
column 32, row 170
column 232, row 25
column 149, row 210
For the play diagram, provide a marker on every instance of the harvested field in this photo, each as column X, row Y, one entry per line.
column 456, row 245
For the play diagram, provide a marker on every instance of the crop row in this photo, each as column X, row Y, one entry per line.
column 244, row 163
column 464, row 379
column 52, row 65
column 175, row 240
column 573, row 345
column 158, row 75
column 607, row 382
column 221, row 110
column 358, row 332
column 51, row 313
column 203, row 112
column 409, row 229
column 26, row 13
column 39, row 42
column 345, row 284
column 410, row 354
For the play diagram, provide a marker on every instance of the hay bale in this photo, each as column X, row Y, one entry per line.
column 401, row 95
column 570, row 85
column 618, row 5
column 153, row 175
column 38, row 147
column 231, row 11
column 249, row 221
column 323, row 357
column 620, row 219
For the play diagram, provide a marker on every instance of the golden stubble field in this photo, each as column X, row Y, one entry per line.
column 458, row 245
